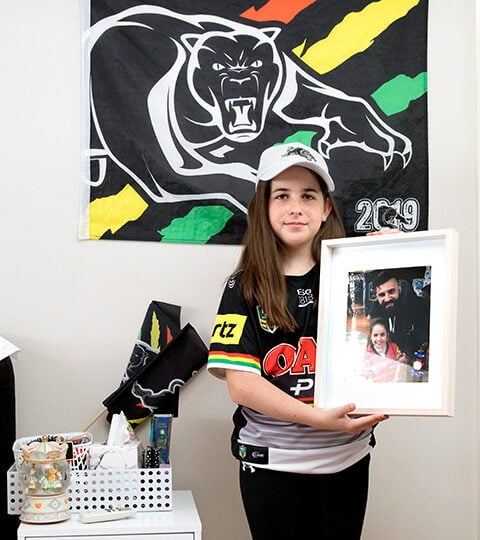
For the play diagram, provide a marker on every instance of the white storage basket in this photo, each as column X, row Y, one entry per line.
column 142, row 489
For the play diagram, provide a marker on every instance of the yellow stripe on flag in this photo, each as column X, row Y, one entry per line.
column 155, row 333
column 353, row 35
column 111, row 213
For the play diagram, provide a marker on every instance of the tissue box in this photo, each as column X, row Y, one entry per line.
column 125, row 456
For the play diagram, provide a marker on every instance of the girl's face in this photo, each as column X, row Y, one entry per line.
column 297, row 207
column 379, row 336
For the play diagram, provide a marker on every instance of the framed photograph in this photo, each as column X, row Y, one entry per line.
column 387, row 323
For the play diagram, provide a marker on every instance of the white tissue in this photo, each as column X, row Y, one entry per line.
column 121, row 432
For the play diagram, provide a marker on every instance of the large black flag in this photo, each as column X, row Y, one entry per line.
column 182, row 97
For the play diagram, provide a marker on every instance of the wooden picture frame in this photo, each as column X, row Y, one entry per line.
column 405, row 383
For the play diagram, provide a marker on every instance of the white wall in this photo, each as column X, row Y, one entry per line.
column 74, row 308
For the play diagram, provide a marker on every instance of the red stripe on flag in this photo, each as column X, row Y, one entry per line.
column 277, row 10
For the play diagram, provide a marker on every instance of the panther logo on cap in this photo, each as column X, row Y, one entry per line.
column 299, row 152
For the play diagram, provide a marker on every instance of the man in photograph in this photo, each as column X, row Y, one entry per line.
column 407, row 315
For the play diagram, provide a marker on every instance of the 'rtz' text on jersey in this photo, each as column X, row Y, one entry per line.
column 228, row 328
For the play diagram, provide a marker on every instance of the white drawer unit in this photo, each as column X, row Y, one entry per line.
column 181, row 523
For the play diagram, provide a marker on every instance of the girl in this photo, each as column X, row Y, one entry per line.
column 382, row 356
column 379, row 343
column 301, row 468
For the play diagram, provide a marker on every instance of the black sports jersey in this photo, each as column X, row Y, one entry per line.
column 242, row 339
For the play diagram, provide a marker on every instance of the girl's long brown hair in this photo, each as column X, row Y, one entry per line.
column 262, row 280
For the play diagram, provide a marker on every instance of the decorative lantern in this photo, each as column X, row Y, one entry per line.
column 44, row 477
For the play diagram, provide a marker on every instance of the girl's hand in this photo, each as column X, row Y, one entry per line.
column 339, row 420
column 384, row 230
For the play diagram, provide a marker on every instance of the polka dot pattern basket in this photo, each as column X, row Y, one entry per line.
column 145, row 490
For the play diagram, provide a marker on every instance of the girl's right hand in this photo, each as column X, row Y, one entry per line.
column 339, row 419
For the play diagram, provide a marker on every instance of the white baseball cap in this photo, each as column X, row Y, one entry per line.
column 280, row 157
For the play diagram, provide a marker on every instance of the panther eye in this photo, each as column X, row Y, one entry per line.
column 256, row 64
column 217, row 67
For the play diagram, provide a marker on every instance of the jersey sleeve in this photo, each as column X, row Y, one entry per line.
column 233, row 344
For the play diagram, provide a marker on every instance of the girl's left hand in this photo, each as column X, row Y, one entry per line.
column 384, row 230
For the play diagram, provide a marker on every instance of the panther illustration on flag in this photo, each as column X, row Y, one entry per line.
column 187, row 110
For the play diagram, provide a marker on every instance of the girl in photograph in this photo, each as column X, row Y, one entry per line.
column 382, row 356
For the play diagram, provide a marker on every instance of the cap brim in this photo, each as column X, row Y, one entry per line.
column 277, row 168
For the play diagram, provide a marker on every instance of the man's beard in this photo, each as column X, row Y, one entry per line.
column 390, row 306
